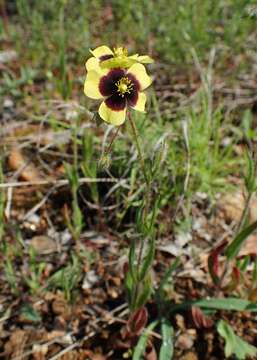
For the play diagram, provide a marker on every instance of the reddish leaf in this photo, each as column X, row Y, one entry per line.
column 235, row 280
column 126, row 267
column 236, row 274
column 137, row 321
column 199, row 319
column 213, row 263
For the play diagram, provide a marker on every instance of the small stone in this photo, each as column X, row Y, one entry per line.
column 7, row 55
column 184, row 342
column 43, row 244
column 40, row 349
column 192, row 332
column 180, row 321
column 113, row 293
column 34, row 219
column 65, row 236
column 8, row 103
column 71, row 115
column 89, row 280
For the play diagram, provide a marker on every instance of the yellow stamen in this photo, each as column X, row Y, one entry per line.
column 120, row 52
column 124, row 86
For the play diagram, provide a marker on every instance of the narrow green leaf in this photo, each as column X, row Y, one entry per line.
column 145, row 292
column 142, row 342
column 231, row 304
column 148, row 260
column 167, row 346
column 234, row 344
column 154, row 215
column 129, row 282
column 250, row 172
column 167, row 274
column 243, row 264
column 132, row 258
column 234, row 248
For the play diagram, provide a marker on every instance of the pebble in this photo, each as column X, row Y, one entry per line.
column 184, row 342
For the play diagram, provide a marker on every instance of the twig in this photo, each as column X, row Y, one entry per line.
column 38, row 205
column 8, row 203
column 186, row 181
column 64, row 351
column 61, row 182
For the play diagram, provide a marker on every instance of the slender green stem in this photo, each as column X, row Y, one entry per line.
column 135, row 135
column 142, row 162
column 112, row 140
column 245, row 212
column 146, row 204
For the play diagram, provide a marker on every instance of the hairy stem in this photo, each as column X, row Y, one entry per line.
column 145, row 206
column 112, row 140
column 135, row 136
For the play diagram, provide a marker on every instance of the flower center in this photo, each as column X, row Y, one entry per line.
column 124, row 86
column 120, row 52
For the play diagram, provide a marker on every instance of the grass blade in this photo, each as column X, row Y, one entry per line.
column 231, row 304
column 234, row 248
column 148, row 260
column 167, row 348
column 142, row 342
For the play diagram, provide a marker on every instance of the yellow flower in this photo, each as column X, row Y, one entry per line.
column 104, row 57
column 119, row 88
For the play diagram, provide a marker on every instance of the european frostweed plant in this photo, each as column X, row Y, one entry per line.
column 118, row 80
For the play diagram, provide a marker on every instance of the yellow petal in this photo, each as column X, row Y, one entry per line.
column 91, row 86
column 112, row 117
column 144, row 59
column 134, row 56
column 92, row 64
column 140, row 104
column 101, row 51
column 139, row 72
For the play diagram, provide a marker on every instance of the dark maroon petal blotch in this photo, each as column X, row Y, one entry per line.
column 105, row 57
column 107, row 83
column 116, row 102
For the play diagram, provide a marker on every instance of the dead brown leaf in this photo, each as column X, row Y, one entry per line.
column 27, row 171
column 250, row 246
column 16, row 345
column 199, row 319
column 233, row 206
column 61, row 307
